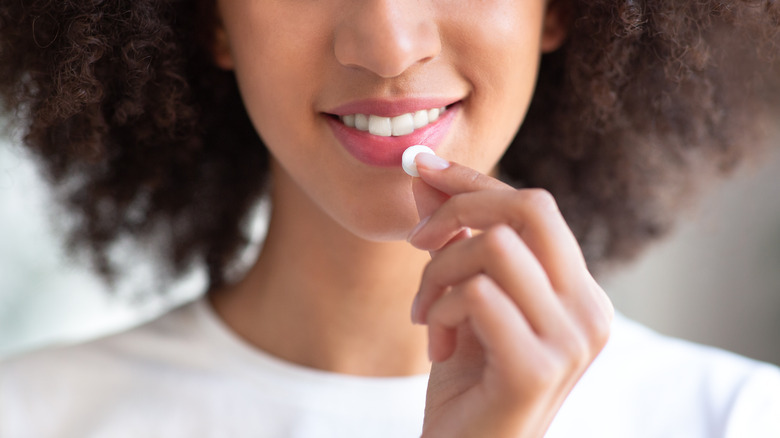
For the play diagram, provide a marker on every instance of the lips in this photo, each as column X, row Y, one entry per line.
column 377, row 132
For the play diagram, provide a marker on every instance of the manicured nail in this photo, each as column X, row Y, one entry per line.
column 432, row 162
column 417, row 229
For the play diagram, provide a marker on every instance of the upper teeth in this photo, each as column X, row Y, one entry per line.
column 392, row 126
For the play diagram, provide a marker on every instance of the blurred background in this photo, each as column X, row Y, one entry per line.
column 715, row 281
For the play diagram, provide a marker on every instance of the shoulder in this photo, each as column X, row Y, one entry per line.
column 172, row 327
column 670, row 387
column 64, row 382
column 755, row 410
column 156, row 341
column 640, row 349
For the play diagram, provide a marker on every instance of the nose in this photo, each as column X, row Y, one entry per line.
column 386, row 37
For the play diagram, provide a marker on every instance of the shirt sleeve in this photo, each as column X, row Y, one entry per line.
column 756, row 408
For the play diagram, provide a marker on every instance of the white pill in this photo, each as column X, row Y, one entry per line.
column 407, row 160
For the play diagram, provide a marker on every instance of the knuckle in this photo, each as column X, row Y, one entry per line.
column 547, row 372
column 456, row 207
column 541, row 199
column 577, row 350
column 572, row 349
column 598, row 321
column 475, row 291
column 599, row 331
column 474, row 178
column 581, row 348
column 499, row 240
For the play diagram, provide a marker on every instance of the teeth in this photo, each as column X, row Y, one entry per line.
column 420, row 119
column 403, row 124
column 392, row 126
column 381, row 126
column 361, row 122
column 433, row 114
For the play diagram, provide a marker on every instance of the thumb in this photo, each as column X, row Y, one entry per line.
column 427, row 198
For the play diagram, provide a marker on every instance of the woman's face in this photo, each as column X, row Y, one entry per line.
column 313, row 73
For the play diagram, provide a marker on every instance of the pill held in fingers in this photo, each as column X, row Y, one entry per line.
column 407, row 160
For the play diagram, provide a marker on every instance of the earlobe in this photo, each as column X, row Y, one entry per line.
column 555, row 28
column 220, row 49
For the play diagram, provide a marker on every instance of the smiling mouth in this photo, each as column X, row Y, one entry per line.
column 380, row 140
column 403, row 124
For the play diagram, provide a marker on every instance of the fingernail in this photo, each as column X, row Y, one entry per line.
column 417, row 229
column 432, row 162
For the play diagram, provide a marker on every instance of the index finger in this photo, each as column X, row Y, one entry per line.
column 455, row 178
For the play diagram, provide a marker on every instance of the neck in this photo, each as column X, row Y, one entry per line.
column 321, row 297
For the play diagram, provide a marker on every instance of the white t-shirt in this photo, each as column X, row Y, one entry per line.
column 186, row 375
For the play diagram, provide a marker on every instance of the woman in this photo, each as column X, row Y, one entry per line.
column 164, row 122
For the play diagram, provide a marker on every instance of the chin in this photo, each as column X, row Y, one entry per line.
column 378, row 213
column 383, row 226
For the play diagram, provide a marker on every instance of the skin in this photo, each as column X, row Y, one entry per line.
column 511, row 317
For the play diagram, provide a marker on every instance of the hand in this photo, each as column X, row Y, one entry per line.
column 514, row 317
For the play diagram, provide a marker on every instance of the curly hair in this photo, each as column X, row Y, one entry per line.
column 144, row 138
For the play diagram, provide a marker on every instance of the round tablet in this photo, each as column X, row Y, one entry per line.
column 407, row 160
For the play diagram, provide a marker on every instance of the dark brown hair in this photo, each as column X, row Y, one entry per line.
column 143, row 137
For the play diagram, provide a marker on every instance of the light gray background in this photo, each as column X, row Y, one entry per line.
column 717, row 281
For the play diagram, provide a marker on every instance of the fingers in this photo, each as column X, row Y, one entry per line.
column 427, row 198
column 527, row 258
column 455, row 178
column 480, row 202
column 498, row 261
column 501, row 331
column 518, row 359
column 531, row 213
column 504, row 258
column 515, row 303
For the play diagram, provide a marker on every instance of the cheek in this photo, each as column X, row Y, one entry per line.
column 500, row 61
column 281, row 67
column 276, row 63
column 277, row 47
